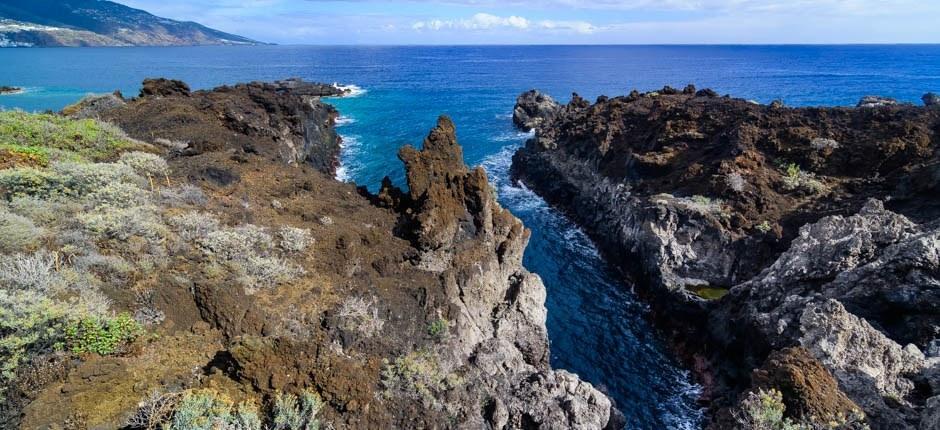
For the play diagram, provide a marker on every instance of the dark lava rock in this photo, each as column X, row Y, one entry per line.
column 876, row 101
column 300, row 87
column 532, row 109
column 164, row 88
column 931, row 99
column 284, row 120
column 693, row 195
column 9, row 90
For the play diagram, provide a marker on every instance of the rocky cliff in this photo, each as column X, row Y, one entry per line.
column 694, row 195
column 258, row 277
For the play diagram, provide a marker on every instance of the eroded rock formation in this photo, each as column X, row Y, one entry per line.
column 412, row 310
column 692, row 194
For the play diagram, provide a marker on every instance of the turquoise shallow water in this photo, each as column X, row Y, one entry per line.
column 596, row 325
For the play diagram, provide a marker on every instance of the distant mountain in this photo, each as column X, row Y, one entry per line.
column 99, row 23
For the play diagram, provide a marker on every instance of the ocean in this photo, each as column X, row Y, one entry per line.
column 596, row 324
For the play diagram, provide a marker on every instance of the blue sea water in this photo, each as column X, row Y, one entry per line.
column 596, row 324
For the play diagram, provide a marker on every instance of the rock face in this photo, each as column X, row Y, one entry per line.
column 413, row 310
column 283, row 120
column 691, row 194
column 532, row 109
column 461, row 232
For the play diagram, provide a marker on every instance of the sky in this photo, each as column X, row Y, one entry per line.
column 562, row 21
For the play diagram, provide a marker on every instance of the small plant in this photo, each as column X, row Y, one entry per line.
column 210, row 410
column 763, row 410
column 764, row 227
column 183, row 195
column 293, row 413
column 438, row 328
column 236, row 242
column 122, row 224
column 18, row 233
column 30, row 272
column 795, row 178
column 294, row 239
column 147, row 164
column 193, row 226
column 118, row 195
column 102, row 336
column 418, row 375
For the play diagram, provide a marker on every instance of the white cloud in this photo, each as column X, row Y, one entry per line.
column 485, row 21
column 480, row 21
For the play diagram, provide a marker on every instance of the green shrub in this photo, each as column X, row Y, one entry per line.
column 30, row 324
column 145, row 163
column 18, row 233
column 102, row 336
column 438, row 328
column 31, row 154
column 85, row 139
column 418, row 375
column 30, row 181
column 122, row 224
column 120, row 195
column 44, row 212
column 236, row 242
column 796, row 179
column 763, row 410
column 80, row 179
column 63, row 179
column 210, row 410
column 764, row 227
column 293, row 413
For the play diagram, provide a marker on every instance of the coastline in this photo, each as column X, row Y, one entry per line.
column 676, row 246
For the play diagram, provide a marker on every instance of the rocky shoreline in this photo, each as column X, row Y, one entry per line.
column 4, row 90
column 769, row 240
column 256, row 276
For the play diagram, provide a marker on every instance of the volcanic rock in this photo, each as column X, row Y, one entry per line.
column 691, row 195
column 532, row 109
column 931, row 99
column 876, row 101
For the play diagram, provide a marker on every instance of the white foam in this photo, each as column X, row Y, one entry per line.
column 343, row 121
column 349, row 148
column 350, row 90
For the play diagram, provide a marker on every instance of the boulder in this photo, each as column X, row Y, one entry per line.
column 162, row 87
column 808, row 389
column 532, row 109
column 9, row 90
column 931, row 99
column 94, row 106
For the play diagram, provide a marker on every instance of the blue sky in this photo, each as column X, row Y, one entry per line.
column 563, row 21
